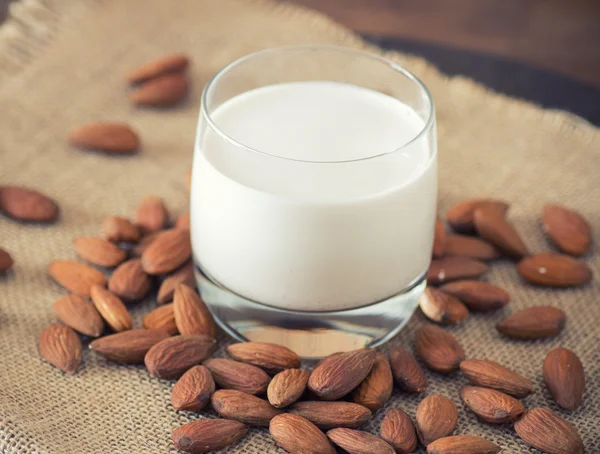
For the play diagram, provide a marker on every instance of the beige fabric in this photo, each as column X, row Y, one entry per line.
column 62, row 63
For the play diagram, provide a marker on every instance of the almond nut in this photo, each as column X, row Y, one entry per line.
column 490, row 405
column 271, row 357
column 468, row 246
column 535, row 322
column 61, row 347
column 75, row 277
column 298, row 435
column 554, row 270
column 99, row 251
column 119, row 229
column 175, row 63
column 477, row 295
column 116, row 138
column 438, row 349
column 243, row 377
column 6, row 261
column 454, row 268
column 193, row 390
column 183, row 221
column 79, row 314
column 564, row 377
column 567, row 229
column 463, row 444
column 328, row 415
column 243, row 407
column 460, row 216
column 441, row 307
column 489, row 374
column 543, row 429
column 492, row 225
column 111, row 308
column 287, row 387
column 129, row 347
column 170, row 249
column 27, row 205
column 376, row 389
column 399, row 431
column 162, row 91
column 163, row 318
column 408, row 373
column 208, row 435
column 171, row 357
column 191, row 314
column 359, row 442
column 129, row 281
column 436, row 418
column 184, row 275
column 151, row 215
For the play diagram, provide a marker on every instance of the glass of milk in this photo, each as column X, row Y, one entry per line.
column 313, row 197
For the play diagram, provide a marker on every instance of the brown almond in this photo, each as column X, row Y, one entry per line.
column 477, row 295
column 119, row 229
column 184, row 275
column 170, row 249
column 287, row 387
column 129, row 282
column 75, row 277
column 61, row 347
column 130, row 346
column 99, row 251
column 376, row 389
column 239, row 376
column 407, row 372
column 535, row 322
column 243, row 407
column 543, row 429
column 79, row 314
column 554, row 270
column 328, row 415
column 110, row 137
column 191, row 314
column 468, row 246
column 298, row 435
column 453, row 268
column 162, row 91
column 439, row 239
column 490, row 405
column 6, row 261
column 438, row 349
column 111, row 308
column 462, row 444
column 490, row 374
column 151, row 215
column 271, row 357
column 183, row 221
column 138, row 249
column 460, row 216
column 208, row 435
column 175, row 63
column 399, row 431
column 340, row 373
column 171, row 357
column 564, row 377
column 359, row 442
column 163, row 317
column 27, row 205
column 193, row 390
column 436, row 417
column 567, row 229
column 441, row 307
column 492, row 225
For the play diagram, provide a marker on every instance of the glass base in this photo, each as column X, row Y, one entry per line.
column 312, row 335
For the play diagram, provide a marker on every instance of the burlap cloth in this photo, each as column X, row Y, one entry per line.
column 62, row 63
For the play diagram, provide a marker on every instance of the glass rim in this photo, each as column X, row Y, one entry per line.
column 342, row 49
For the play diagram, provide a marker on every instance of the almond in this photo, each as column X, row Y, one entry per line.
column 130, row 346
column 490, row 405
column 171, row 357
column 129, row 281
column 151, row 215
column 489, row 374
column 441, row 307
column 477, row 295
column 99, row 251
column 79, row 314
column 340, row 373
column 61, row 347
column 467, row 246
column 376, row 389
column 27, row 205
column 208, row 435
column 193, row 390
column 439, row 239
column 543, row 429
column 298, row 435
column 359, row 442
column 436, row 417
column 243, row 407
column 115, row 138
column 271, row 357
column 492, row 225
column 438, row 349
column 327, row 415
column 111, row 308
column 162, row 91
column 287, row 387
column 162, row 317
column 184, row 275
column 169, row 64
column 119, row 229
column 567, row 229
column 564, row 377
column 183, row 221
column 463, row 444
column 191, row 314
column 75, row 277
column 554, row 270
column 6, row 261
column 239, row 376
column 454, row 268
column 535, row 322
column 138, row 249
column 167, row 252
column 460, row 216
column 408, row 373
column 398, row 430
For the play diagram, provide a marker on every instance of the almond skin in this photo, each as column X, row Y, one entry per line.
column 191, row 314
column 61, row 347
column 298, row 435
column 460, row 216
column 6, row 261
column 359, row 442
column 162, row 91
column 129, row 282
column 477, row 295
column 243, row 407
column 554, row 270
column 75, row 277
column 398, row 430
column 454, row 268
column 183, row 221
column 441, row 307
column 407, row 372
column 193, row 390
column 492, row 225
column 170, row 250
column 438, row 349
column 535, row 322
column 468, row 246
column 328, row 415
column 129, row 347
column 163, row 318
column 117, row 229
column 545, row 430
column 183, row 275
column 489, row 374
column 376, row 389
column 436, row 417
column 567, row 229
column 169, row 64
column 171, row 357
column 490, row 405
column 79, row 314
column 208, row 435
column 111, row 308
column 463, row 444
column 439, row 239
column 99, row 251
column 110, row 137
column 287, row 387
column 340, row 373
column 151, row 215
column 271, row 357
column 243, row 377
column 564, row 377
column 27, row 205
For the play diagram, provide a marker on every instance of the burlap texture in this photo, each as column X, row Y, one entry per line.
column 62, row 64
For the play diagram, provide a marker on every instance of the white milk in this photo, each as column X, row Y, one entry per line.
column 313, row 236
